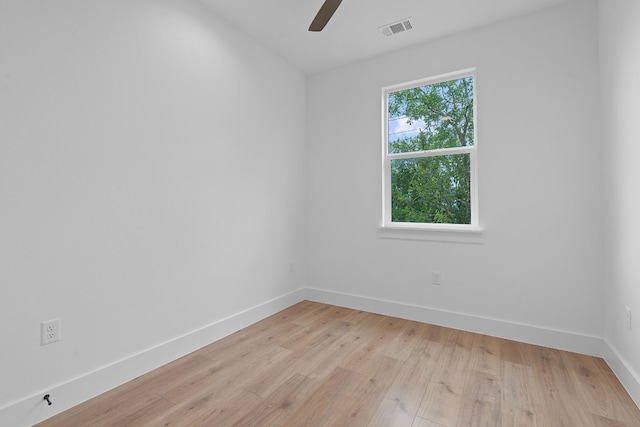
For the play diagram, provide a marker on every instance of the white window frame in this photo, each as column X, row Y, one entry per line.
column 469, row 233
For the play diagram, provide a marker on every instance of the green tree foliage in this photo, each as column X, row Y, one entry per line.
column 434, row 189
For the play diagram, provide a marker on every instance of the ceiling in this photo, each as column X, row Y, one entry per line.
column 354, row 32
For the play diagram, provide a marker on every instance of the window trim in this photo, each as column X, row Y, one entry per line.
column 471, row 233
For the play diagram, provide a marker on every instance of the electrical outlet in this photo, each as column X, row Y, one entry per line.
column 291, row 267
column 627, row 319
column 49, row 331
column 435, row 278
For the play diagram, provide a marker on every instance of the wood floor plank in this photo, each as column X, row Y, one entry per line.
column 144, row 414
column 421, row 422
column 617, row 394
column 485, row 355
column 207, row 411
column 600, row 421
column 592, row 387
column 347, row 398
column 313, row 334
column 443, row 396
column 226, row 375
column 256, row 336
column 481, row 401
column 360, row 317
column 387, row 333
column 328, row 357
column 519, row 394
column 557, row 391
column 321, row 314
column 410, row 340
column 366, row 326
column 325, row 401
column 134, row 394
column 583, row 372
column 402, row 401
column 514, row 352
column 281, row 404
column 320, row 365
column 383, row 369
column 317, row 361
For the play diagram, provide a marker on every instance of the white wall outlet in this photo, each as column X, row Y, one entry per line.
column 627, row 319
column 435, row 278
column 49, row 331
column 291, row 269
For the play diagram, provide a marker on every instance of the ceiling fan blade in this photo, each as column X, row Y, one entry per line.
column 324, row 14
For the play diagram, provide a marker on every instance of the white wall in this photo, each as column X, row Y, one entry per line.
column 619, row 25
column 146, row 193
column 151, row 181
column 539, row 179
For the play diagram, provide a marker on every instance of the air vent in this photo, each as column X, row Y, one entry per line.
column 397, row 27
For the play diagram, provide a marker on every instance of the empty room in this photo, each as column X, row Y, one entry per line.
column 309, row 212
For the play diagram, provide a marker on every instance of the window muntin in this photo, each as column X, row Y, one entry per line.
column 429, row 152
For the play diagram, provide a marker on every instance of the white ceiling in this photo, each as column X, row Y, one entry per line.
column 354, row 31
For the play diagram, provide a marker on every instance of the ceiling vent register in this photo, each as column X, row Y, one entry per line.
column 397, row 27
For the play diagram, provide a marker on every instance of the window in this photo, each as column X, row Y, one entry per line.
column 430, row 147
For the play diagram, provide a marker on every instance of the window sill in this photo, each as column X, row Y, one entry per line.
column 446, row 233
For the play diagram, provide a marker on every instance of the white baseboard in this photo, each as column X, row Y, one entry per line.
column 33, row 409
column 629, row 378
column 561, row 340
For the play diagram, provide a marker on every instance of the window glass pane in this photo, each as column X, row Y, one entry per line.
column 430, row 117
column 431, row 189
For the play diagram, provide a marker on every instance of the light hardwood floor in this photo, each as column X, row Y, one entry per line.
column 320, row 365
